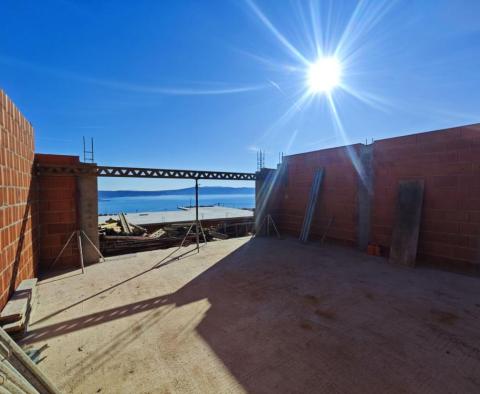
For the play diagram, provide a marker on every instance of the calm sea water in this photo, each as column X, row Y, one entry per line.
column 170, row 203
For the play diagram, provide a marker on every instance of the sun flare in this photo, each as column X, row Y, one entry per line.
column 324, row 75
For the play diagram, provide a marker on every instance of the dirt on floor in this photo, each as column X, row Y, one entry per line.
column 259, row 316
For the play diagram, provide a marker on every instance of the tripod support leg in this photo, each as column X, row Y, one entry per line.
column 274, row 226
column 203, row 233
column 93, row 245
column 79, row 240
column 63, row 249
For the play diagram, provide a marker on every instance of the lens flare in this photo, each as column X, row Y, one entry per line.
column 324, row 75
column 337, row 54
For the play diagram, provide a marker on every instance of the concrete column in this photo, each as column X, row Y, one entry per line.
column 264, row 184
column 88, row 215
column 365, row 196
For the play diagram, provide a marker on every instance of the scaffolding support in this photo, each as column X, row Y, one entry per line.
column 196, row 216
column 78, row 234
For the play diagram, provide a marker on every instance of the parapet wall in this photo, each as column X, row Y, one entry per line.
column 360, row 195
column 338, row 197
column 449, row 162
column 18, row 209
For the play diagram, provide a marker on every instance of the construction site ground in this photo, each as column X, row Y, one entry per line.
column 259, row 316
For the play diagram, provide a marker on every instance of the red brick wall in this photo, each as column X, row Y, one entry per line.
column 449, row 162
column 58, row 213
column 18, row 241
column 338, row 195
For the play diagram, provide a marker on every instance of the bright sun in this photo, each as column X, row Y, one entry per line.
column 324, row 75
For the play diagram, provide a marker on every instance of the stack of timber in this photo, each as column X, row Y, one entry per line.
column 166, row 237
column 120, row 227
column 14, row 317
column 112, row 245
column 176, row 230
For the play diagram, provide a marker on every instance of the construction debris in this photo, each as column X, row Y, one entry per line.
column 218, row 235
column 123, row 222
column 117, row 244
column 120, row 227
column 14, row 317
column 119, row 236
column 114, row 240
column 157, row 233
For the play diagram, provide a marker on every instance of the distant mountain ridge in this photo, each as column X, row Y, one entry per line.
column 206, row 190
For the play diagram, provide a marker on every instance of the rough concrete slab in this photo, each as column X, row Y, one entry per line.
column 181, row 215
column 261, row 316
column 17, row 306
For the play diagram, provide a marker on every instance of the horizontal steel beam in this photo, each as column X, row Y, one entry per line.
column 134, row 172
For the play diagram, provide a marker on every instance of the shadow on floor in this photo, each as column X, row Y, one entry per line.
column 299, row 319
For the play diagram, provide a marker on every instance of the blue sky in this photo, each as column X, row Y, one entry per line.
column 204, row 84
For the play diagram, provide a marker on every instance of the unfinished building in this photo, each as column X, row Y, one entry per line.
column 262, row 314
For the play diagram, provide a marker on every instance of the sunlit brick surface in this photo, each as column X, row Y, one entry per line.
column 18, row 218
column 449, row 162
column 58, row 213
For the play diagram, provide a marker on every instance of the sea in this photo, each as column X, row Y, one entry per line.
column 113, row 205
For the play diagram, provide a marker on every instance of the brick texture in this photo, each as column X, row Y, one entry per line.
column 57, row 197
column 337, row 199
column 18, row 207
column 448, row 161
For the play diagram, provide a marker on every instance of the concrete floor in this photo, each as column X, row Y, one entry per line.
column 261, row 316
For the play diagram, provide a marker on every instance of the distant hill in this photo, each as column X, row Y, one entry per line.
column 189, row 191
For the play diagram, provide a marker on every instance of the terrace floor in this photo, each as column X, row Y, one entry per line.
column 259, row 316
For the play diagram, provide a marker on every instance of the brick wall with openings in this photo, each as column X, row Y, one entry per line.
column 18, row 212
column 337, row 198
column 57, row 198
column 449, row 162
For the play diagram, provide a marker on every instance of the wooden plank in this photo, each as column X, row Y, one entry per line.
column 125, row 226
column 403, row 248
column 17, row 306
column 25, row 363
column 18, row 326
column 312, row 203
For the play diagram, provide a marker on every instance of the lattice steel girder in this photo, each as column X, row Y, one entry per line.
column 133, row 172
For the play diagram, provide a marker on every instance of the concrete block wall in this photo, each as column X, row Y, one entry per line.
column 57, row 197
column 338, row 196
column 448, row 161
column 18, row 209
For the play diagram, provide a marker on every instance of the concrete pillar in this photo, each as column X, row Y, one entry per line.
column 365, row 196
column 264, row 183
column 88, row 215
